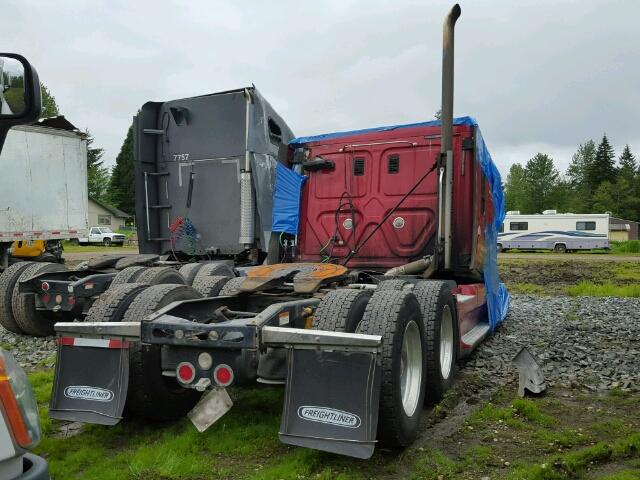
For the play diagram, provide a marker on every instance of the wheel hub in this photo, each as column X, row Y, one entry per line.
column 446, row 342
column 411, row 368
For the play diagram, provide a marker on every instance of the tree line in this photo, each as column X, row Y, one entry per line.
column 114, row 186
column 593, row 183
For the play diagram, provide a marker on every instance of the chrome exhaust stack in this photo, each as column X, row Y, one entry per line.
column 445, row 196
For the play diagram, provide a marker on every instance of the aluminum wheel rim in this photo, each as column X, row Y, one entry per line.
column 446, row 342
column 411, row 368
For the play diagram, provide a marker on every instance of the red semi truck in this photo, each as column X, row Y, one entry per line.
column 385, row 277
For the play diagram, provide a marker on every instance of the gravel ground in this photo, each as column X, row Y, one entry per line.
column 588, row 343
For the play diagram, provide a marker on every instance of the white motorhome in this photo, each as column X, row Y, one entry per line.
column 561, row 232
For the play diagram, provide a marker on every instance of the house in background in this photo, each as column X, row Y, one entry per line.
column 104, row 215
column 621, row 230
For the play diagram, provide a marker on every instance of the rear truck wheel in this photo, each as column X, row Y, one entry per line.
column 152, row 395
column 560, row 248
column 112, row 305
column 341, row 310
column 106, row 242
column 32, row 321
column 189, row 271
column 128, row 275
column 75, row 242
column 217, row 269
column 145, row 260
column 441, row 335
column 160, row 275
column 210, row 286
column 232, row 287
column 396, row 316
column 499, row 247
column 8, row 281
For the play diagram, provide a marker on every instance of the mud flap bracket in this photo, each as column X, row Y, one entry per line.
column 332, row 390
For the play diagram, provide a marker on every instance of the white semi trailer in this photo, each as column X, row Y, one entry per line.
column 44, row 185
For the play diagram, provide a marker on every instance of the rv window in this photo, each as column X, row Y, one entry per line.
column 275, row 133
column 585, row 225
column 501, row 228
column 519, row 226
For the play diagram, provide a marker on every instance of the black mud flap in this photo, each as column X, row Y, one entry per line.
column 91, row 380
column 331, row 401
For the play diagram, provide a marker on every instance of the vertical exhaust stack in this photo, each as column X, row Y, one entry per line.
column 446, row 149
column 247, row 210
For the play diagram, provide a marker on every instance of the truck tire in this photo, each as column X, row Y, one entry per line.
column 111, row 305
column 396, row 316
column 341, row 310
column 8, row 281
column 189, row 271
column 106, row 242
column 160, row 275
column 217, row 269
column 145, row 259
column 232, row 287
column 104, row 261
column 128, row 275
column 151, row 395
column 441, row 332
column 210, row 286
column 30, row 320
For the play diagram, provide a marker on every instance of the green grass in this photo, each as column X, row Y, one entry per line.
column 70, row 248
column 527, row 288
column 607, row 289
column 630, row 246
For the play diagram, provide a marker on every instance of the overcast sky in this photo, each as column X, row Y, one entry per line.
column 538, row 76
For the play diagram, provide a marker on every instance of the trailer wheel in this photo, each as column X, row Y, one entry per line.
column 30, row 320
column 441, row 331
column 8, row 281
column 160, row 275
column 189, row 271
column 396, row 316
column 217, row 269
column 232, row 287
column 499, row 247
column 560, row 248
column 210, row 286
column 111, row 305
column 151, row 395
column 128, row 275
column 341, row 310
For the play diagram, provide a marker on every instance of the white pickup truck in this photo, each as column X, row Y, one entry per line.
column 103, row 235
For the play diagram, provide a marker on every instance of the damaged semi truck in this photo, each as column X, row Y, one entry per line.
column 374, row 272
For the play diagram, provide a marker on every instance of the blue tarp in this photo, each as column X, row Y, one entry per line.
column 497, row 295
column 286, row 200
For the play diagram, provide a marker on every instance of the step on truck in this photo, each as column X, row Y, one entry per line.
column 204, row 173
column 386, row 277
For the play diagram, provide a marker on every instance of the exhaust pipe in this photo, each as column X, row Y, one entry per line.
column 445, row 200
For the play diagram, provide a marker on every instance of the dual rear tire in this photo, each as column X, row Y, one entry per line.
column 420, row 345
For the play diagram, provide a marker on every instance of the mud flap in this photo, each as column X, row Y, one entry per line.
column 91, row 380
column 331, row 400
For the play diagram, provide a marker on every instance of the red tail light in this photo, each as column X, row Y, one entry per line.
column 45, row 286
column 185, row 372
column 223, row 375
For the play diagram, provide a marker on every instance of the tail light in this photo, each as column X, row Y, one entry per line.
column 18, row 402
column 45, row 286
column 185, row 372
column 223, row 375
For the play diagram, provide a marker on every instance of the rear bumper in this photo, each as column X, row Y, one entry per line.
column 35, row 468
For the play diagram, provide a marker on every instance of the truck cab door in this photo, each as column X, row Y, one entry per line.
column 95, row 235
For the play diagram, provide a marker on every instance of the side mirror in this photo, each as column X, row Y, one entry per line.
column 20, row 98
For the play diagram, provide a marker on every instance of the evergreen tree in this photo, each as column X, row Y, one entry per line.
column 97, row 174
column 578, row 177
column 515, row 188
column 541, row 178
column 603, row 168
column 121, row 186
column 628, row 166
column 49, row 105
